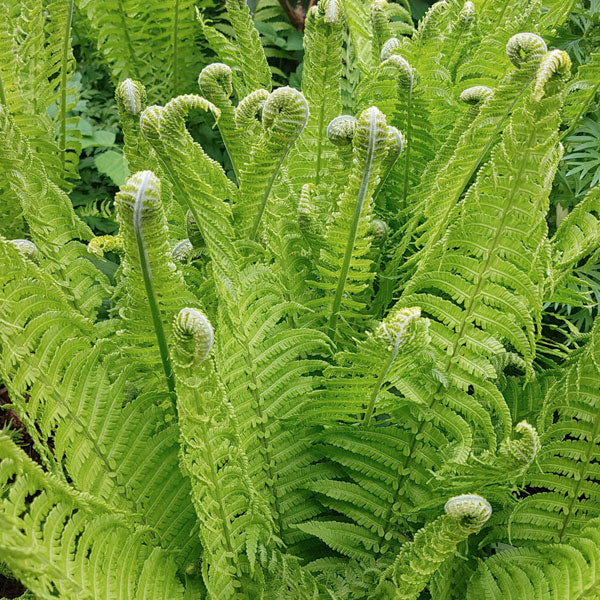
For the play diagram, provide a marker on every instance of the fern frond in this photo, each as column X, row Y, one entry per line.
column 419, row 559
column 88, row 425
column 267, row 368
column 234, row 519
column 568, row 461
column 153, row 287
column 284, row 116
column 148, row 42
column 548, row 572
column 344, row 267
column 310, row 160
column 60, row 542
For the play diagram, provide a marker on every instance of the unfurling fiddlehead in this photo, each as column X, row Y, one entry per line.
column 131, row 97
column 517, row 455
column 525, row 47
column 393, row 330
column 380, row 26
column 389, row 48
column 555, row 66
column 143, row 228
column 216, row 84
column 284, row 116
column 341, row 130
column 347, row 238
column 26, row 247
column 467, row 14
column 431, row 546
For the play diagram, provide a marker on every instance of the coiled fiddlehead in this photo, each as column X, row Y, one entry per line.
column 330, row 9
column 249, row 109
column 555, row 66
column 284, row 116
column 389, row 48
column 431, row 546
column 216, row 84
column 393, row 330
column 194, row 337
column 525, row 47
column 469, row 510
column 341, row 130
column 467, row 15
column 26, row 247
column 182, row 250
column 476, row 94
column 519, row 454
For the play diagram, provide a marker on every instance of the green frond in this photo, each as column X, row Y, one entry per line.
column 582, row 91
column 267, row 368
column 311, row 159
column 199, row 183
column 576, row 238
column 412, row 568
column 344, row 266
column 284, row 116
column 147, row 41
column 86, row 422
column 568, row 460
column 550, row 572
column 243, row 53
column 487, row 63
column 233, row 517
column 153, row 288
column 64, row 543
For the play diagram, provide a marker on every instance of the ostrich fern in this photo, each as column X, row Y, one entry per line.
column 318, row 377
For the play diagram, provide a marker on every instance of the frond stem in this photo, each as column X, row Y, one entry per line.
column 62, row 140
column 150, row 293
column 176, row 49
column 380, row 381
column 360, row 200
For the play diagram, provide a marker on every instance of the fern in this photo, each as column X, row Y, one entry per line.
column 294, row 365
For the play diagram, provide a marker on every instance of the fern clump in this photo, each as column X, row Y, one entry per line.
column 326, row 368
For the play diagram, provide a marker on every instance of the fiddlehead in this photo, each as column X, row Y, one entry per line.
column 193, row 336
column 341, row 130
column 524, row 48
column 284, row 115
column 389, row 48
column 144, row 231
column 555, row 66
column 467, row 14
column 182, row 250
column 418, row 560
column 249, row 109
column 517, row 455
column 131, row 97
column 475, row 95
column 216, row 84
column 347, row 237
column 393, row 330
column 26, row 247
column 470, row 511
